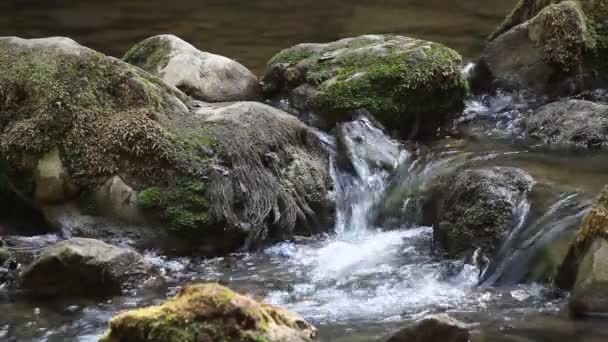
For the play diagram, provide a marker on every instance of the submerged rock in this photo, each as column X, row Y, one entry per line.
column 96, row 142
column 410, row 86
column 585, row 269
column 554, row 47
column 209, row 312
column 434, row 328
column 571, row 122
column 477, row 208
column 202, row 75
column 85, row 267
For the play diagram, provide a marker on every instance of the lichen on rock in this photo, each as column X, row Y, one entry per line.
column 209, row 312
column 407, row 84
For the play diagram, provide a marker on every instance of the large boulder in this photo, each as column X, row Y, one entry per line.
column 85, row 267
column 434, row 328
column 550, row 46
column 476, row 209
column 209, row 312
column 95, row 142
column 202, row 75
column 571, row 122
column 408, row 85
column 585, row 269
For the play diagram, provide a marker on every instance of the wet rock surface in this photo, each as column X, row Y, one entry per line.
column 477, row 208
column 577, row 123
column 85, row 267
column 434, row 328
column 365, row 141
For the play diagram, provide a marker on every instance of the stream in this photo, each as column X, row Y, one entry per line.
column 364, row 281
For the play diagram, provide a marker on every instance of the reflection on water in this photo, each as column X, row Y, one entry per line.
column 251, row 31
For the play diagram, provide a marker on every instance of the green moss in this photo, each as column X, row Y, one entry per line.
column 291, row 56
column 396, row 85
column 150, row 198
column 183, row 205
column 205, row 312
column 151, row 54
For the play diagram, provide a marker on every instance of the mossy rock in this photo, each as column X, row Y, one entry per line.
column 409, row 85
column 553, row 46
column 132, row 151
column 475, row 209
column 593, row 228
column 209, row 312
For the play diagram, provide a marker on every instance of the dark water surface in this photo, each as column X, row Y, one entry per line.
column 251, row 31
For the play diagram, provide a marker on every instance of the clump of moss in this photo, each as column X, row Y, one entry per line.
column 290, row 56
column 208, row 312
column 184, row 205
column 391, row 86
column 595, row 223
column 151, row 54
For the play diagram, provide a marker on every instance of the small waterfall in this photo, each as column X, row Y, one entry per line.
column 533, row 249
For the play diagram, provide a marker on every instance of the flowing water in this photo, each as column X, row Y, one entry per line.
column 364, row 281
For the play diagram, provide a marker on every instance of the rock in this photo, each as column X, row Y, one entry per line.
column 363, row 141
column 209, row 312
column 477, row 208
column 434, row 328
column 108, row 151
column 408, row 85
column 571, row 122
column 584, row 270
column 551, row 47
column 85, row 267
column 202, row 75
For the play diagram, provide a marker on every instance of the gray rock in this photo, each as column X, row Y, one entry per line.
column 534, row 55
column 409, row 85
column 85, row 267
column 550, row 47
column 434, row 328
column 590, row 293
column 477, row 208
column 571, row 122
column 363, row 141
column 585, row 269
column 202, row 75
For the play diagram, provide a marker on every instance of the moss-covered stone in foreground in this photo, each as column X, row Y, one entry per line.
column 209, row 312
column 400, row 81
